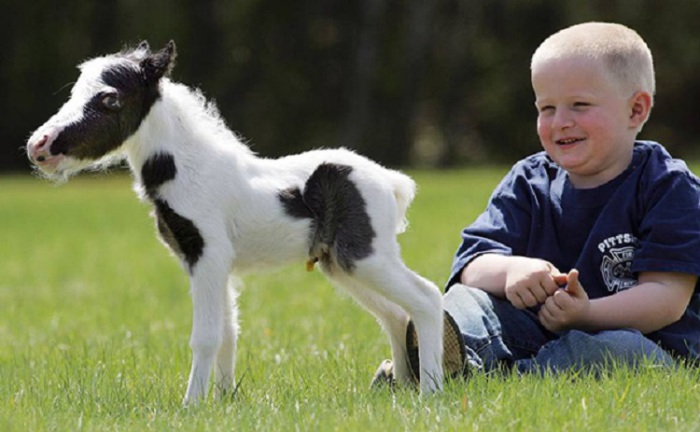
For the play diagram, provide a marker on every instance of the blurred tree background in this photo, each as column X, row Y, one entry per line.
column 408, row 82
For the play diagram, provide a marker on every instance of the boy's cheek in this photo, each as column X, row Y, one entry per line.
column 543, row 133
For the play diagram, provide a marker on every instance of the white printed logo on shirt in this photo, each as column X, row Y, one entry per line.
column 616, row 265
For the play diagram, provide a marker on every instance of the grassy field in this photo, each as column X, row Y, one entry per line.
column 95, row 318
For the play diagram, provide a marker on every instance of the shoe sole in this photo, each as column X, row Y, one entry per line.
column 454, row 352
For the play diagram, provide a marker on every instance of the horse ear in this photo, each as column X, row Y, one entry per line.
column 143, row 46
column 159, row 64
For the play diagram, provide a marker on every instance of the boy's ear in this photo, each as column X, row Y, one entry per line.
column 640, row 108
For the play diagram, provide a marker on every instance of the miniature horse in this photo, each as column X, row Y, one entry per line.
column 223, row 210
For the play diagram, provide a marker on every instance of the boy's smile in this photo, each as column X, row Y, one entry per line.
column 586, row 123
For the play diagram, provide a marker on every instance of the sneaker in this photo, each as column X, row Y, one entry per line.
column 453, row 360
column 453, row 355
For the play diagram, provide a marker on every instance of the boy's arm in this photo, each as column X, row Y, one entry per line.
column 658, row 299
column 525, row 282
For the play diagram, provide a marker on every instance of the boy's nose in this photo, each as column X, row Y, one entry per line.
column 562, row 120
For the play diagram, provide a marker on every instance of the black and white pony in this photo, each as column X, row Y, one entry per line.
column 223, row 210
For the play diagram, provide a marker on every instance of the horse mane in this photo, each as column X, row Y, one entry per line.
column 202, row 114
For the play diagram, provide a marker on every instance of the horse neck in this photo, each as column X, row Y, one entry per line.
column 179, row 124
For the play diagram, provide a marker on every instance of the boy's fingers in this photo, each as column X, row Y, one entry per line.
column 514, row 299
column 527, row 299
column 574, row 286
column 543, row 315
column 573, row 274
column 561, row 279
column 557, row 282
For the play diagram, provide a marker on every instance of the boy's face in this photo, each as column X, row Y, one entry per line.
column 585, row 122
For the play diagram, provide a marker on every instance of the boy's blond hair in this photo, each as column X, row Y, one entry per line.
column 623, row 52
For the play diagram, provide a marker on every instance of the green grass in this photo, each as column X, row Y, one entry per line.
column 95, row 318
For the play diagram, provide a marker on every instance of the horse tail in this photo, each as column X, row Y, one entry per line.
column 404, row 191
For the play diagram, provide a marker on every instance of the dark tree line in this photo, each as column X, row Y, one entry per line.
column 408, row 82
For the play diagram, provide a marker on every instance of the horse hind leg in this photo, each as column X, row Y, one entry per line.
column 423, row 302
column 427, row 316
column 386, row 287
column 391, row 317
column 354, row 239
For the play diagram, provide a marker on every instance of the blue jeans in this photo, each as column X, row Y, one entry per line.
column 498, row 336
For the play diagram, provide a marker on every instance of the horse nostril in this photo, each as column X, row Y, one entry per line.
column 42, row 141
column 38, row 152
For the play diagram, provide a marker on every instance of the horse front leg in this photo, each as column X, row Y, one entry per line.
column 209, row 294
column 226, row 358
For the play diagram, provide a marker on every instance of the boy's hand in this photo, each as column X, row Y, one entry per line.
column 531, row 282
column 566, row 308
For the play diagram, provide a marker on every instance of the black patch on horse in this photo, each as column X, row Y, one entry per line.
column 158, row 169
column 104, row 127
column 132, row 81
column 293, row 203
column 341, row 228
column 179, row 233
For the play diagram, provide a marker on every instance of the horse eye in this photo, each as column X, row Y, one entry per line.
column 111, row 101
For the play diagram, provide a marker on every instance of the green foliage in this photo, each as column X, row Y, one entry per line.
column 409, row 83
column 95, row 320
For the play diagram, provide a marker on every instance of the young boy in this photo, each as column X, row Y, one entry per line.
column 589, row 251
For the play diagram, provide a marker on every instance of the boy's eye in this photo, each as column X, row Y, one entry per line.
column 581, row 104
column 546, row 109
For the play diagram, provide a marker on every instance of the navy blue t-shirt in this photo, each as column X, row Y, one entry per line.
column 645, row 220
